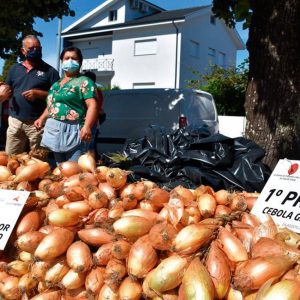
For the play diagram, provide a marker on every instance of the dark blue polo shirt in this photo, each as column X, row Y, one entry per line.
column 40, row 77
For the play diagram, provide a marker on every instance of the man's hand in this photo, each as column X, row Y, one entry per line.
column 85, row 134
column 34, row 94
column 5, row 91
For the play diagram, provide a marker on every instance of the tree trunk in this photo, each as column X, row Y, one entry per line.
column 273, row 99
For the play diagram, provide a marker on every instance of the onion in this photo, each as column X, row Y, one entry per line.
column 219, row 270
column 101, row 173
column 142, row 257
column 234, row 294
column 120, row 249
column 54, row 189
column 27, row 283
column 147, row 291
column 32, row 172
column 24, row 186
column 132, row 226
column 79, row 257
column 39, row 269
column 56, row 171
column 81, row 180
column 114, row 272
column 191, row 215
column 252, row 274
column 102, row 256
column 97, row 199
column 54, row 244
column 161, row 236
column 101, row 217
column 73, row 280
column 87, row 162
column 25, row 256
column 43, row 183
column 30, row 222
column 265, row 229
column 203, row 189
column 207, row 205
column 108, row 190
column 232, row 246
column 238, row 203
column 192, row 237
column 168, row 274
column 106, row 293
column 223, row 197
column 157, row 196
column 81, row 208
column 183, row 193
column 94, row 280
column 284, row 289
column 61, row 201
column 69, row 168
column 95, row 236
column 149, row 215
column 56, row 273
column 29, row 241
column 130, row 289
column 250, row 220
column 48, row 295
column 222, row 210
column 5, row 173
column 132, row 193
column 12, row 165
column 147, row 205
column 175, row 209
column 3, row 158
column 197, row 283
column 9, row 288
column 116, row 177
column 63, row 217
column 17, row 268
column 77, row 294
column 244, row 233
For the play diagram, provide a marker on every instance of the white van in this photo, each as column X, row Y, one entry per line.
column 130, row 112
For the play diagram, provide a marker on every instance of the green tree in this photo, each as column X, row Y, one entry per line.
column 228, row 87
column 272, row 99
column 17, row 20
column 12, row 59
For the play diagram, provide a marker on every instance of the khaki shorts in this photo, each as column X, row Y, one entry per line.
column 20, row 135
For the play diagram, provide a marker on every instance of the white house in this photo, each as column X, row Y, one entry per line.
column 136, row 44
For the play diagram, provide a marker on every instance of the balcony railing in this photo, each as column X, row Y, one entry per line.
column 98, row 64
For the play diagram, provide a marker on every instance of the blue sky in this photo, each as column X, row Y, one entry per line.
column 81, row 7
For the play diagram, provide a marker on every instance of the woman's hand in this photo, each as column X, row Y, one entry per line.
column 39, row 123
column 86, row 134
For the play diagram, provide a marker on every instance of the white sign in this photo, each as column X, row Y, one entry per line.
column 11, row 205
column 280, row 197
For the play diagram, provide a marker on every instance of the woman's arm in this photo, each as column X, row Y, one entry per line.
column 90, row 119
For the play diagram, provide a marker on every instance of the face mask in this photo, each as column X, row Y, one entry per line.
column 34, row 54
column 70, row 65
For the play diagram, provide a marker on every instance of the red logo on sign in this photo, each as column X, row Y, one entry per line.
column 293, row 169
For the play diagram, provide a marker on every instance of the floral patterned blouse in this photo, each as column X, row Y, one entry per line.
column 68, row 102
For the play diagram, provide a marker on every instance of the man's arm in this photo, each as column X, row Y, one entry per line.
column 35, row 94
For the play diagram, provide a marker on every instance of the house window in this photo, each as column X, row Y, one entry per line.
column 145, row 47
column 222, row 59
column 212, row 20
column 194, row 49
column 211, row 56
column 113, row 15
column 143, row 85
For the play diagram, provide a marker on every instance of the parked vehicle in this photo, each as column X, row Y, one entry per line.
column 130, row 113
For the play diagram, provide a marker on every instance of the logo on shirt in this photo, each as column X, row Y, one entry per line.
column 40, row 73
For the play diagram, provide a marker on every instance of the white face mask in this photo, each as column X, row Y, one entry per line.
column 70, row 65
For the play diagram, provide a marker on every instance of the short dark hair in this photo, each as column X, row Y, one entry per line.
column 90, row 75
column 72, row 49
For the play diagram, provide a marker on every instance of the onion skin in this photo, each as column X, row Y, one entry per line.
column 116, row 177
column 253, row 273
column 157, row 196
column 79, row 257
column 168, row 274
column 114, row 272
column 150, row 215
column 3, row 158
column 142, row 258
column 197, row 283
column 27, row 283
column 87, row 162
column 192, row 237
column 108, row 190
column 30, row 222
column 97, row 199
column 9, row 288
column 48, row 295
column 29, row 241
column 219, row 270
column 147, row 291
column 73, row 280
column 56, row 273
column 95, row 236
column 106, row 293
column 120, row 249
column 38, row 269
column 233, row 294
column 183, row 193
column 5, row 173
column 101, row 173
column 132, row 226
column 17, row 268
column 63, row 217
column 69, row 168
column 54, row 244
column 81, row 208
column 102, row 256
column 207, row 205
column 130, row 289
column 232, row 246
column 268, row 247
column 284, row 289
column 94, row 280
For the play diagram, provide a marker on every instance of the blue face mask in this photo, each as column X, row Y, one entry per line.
column 34, row 54
column 70, row 66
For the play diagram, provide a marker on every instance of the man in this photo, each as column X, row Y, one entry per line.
column 30, row 82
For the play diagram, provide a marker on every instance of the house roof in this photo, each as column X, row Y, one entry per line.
column 162, row 16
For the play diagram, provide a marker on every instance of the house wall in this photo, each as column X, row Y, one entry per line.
column 202, row 32
column 91, row 48
column 158, row 68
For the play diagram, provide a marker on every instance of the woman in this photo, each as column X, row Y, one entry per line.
column 71, row 110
